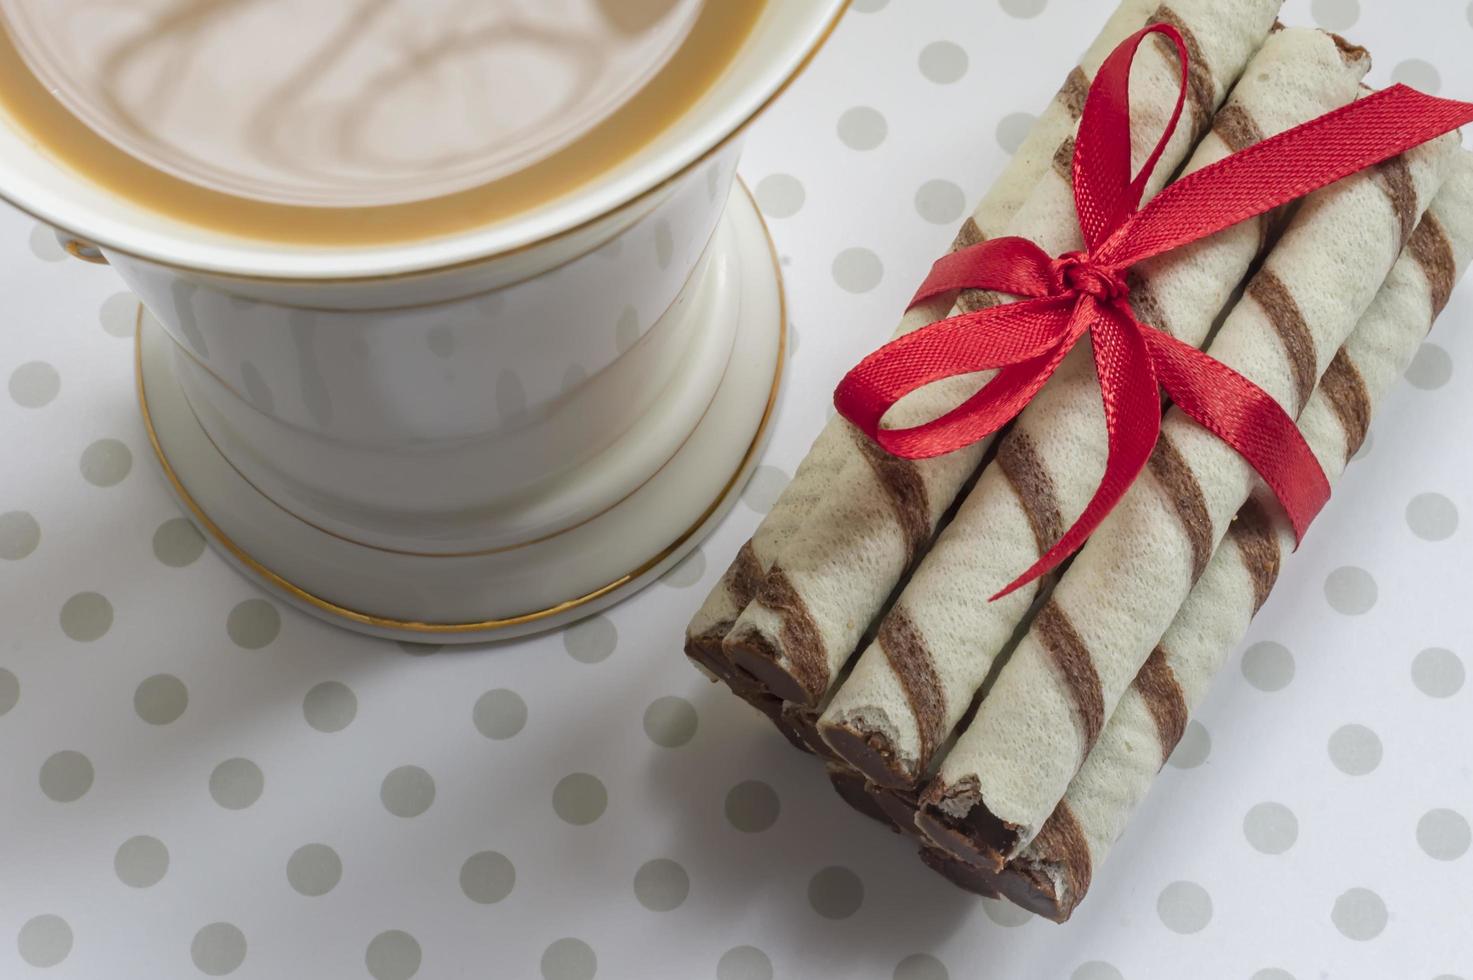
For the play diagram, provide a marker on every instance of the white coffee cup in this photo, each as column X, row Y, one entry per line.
column 476, row 436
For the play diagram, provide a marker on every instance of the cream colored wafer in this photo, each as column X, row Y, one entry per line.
column 841, row 565
column 1014, row 762
column 817, row 473
column 940, row 640
column 1053, row 872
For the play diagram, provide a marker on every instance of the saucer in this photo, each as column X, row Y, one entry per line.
column 525, row 589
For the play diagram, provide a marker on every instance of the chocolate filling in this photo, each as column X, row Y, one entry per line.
column 965, row 876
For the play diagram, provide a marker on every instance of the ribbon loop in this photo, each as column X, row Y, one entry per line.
column 1087, row 291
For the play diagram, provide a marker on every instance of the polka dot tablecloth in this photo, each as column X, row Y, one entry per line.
column 198, row 781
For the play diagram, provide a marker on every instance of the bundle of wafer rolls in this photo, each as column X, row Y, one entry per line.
column 1012, row 739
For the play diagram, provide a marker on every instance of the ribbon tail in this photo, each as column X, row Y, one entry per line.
column 1245, row 417
column 1132, row 405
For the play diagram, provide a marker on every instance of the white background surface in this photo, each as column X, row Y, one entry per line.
column 1365, row 883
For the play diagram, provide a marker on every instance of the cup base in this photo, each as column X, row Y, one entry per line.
column 518, row 591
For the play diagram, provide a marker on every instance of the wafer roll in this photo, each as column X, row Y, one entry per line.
column 1052, row 873
column 842, row 564
column 1013, row 764
column 940, row 640
column 818, row 471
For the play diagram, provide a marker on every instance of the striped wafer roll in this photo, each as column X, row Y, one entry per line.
column 1044, row 713
column 940, row 640
column 1052, row 873
column 818, row 471
column 843, row 563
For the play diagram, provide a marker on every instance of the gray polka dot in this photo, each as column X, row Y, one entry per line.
column 407, row 791
column 591, row 640
column 752, row 806
column 141, row 862
column 253, row 624
column 45, row 940
column 330, row 706
column 664, row 244
column 1419, row 74
column 1359, row 914
column 580, row 799
column 1193, row 749
column 569, row 959
column 763, row 489
column 1184, row 907
column 858, row 270
column 744, row 962
column 499, row 714
column 1024, row 8
column 9, row 691
column 1350, row 590
column 20, row 535
column 161, row 699
column 661, row 885
column 35, row 384
column 1272, row 973
column 66, row 776
column 1336, row 15
column 1268, row 666
column 835, row 893
column 86, row 617
column 626, row 329
column 392, row 955
column 1443, row 834
column 943, row 62
column 940, row 202
column 1096, row 970
column 1431, row 368
column 1432, row 517
column 237, row 783
column 119, row 315
column 670, row 722
column 314, row 869
column 178, row 543
column 862, row 128
column 45, row 245
column 780, row 195
column 1013, row 129
column 866, row 7
column 921, row 966
column 689, row 570
column 106, row 462
column 487, row 877
column 1438, row 673
column 441, row 340
column 1355, row 750
column 1271, row 828
column 219, row 948
column 1006, row 914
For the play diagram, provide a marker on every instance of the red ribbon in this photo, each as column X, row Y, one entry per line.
column 1086, row 292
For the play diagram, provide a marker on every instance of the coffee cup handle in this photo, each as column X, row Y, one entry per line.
column 79, row 249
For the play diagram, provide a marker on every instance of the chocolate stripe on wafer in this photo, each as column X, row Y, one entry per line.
column 1074, row 93
column 969, row 234
column 1162, row 694
column 746, row 575
column 1061, row 834
column 1019, row 463
column 1146, row 306
column 1395, row 179
column 905, row 489
column 1180, row 484
column 1258, row 548
column 1201, row 89
column 1075, row 666
column 1063, row 162
column 911, row 661
column 802, row 644
column 1430, row 246
column 1346, row 391
column 1269, row 291
column 1236, row 127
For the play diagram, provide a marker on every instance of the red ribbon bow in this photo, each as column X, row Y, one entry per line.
column 1087, row 292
